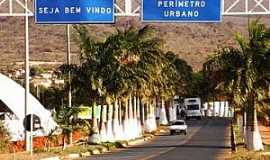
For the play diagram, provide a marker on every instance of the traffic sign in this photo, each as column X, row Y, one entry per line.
column 36, row 122
column 181, row 10
column 74, row 11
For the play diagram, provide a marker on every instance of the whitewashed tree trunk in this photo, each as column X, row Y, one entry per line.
column 115, row 124
column 147, row 125
column 142, row 115
column 150, row 123
column 153, row 116
column 163, row 118
column 139, row 126
column 226, row 109
column 214, row 110
column 244, row 124
column 220, row 107
column 131, row 119
column 94, row 137
column 158, row 106
column 120, row 118
column 126, row 121
column 253, row 136
column 109, row 128
column 135, row 119
column 172, row 111
column 102, row 130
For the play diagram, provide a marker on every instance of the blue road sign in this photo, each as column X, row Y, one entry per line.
column 181, row 10
column 74, row 11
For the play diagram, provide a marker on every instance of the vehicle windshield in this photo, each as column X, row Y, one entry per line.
column 179, row 123
column 193, row 107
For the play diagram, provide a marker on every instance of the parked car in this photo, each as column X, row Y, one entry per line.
column 178, row 126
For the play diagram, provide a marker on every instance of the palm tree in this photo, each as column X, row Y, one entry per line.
column 244, row 73
column 128, row 67
column 86, row 78
column 125, row 64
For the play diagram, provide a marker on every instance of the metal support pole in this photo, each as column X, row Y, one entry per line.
column 128, row 7
column 28, row 136
column 69, row 74
column 68, row 63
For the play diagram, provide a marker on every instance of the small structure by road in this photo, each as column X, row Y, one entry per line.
column 12, row 110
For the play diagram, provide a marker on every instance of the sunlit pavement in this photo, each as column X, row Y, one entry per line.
column 207, row 139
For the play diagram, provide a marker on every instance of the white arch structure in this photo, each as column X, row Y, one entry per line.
column 12, row 95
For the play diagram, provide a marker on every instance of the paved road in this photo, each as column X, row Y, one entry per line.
column 207, row 139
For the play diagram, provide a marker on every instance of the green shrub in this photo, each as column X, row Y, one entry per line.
column 4, row 138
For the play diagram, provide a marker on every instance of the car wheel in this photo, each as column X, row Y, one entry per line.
column 172, row 132
column 185, row 132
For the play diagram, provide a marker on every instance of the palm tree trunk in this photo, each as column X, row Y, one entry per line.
column 219, row 112
column 102, row 129
column 172, row 111
column 226, row 109
column 135, row 124
column 125, row 121
column 116, row 125
column 138, row 117
column 64, row 142
column 142, row 117
column 163, row 117
column 152, row 116
column 131, row 119
column 244, row 124
column 109, row 128
column 146, row 110
column 147, row 117
column 253, row 137
column 94, row 137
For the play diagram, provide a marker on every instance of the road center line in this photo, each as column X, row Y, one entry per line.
column 156, row 154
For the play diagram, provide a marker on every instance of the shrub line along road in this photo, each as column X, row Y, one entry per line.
column 207, row 139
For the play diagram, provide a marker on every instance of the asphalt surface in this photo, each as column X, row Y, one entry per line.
column 207, row 139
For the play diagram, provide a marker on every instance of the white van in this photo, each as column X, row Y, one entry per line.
column 193, row 108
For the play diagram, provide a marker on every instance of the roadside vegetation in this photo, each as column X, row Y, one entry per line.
column 244, row 74
column 128, row 75
column 122, row 80
column 4, row 139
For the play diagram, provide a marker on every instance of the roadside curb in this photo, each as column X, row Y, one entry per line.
column 51, row 158
column 102, row 149
column 139, row 140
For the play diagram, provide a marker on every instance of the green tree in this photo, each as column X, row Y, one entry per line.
column 244, row 73
column 85, row 79
column 36, row 70
column 65, row 117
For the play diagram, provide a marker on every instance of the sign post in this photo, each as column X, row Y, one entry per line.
column 181, row 10
column 74, row 11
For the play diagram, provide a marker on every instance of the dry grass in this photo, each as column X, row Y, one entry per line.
column 25, row 156
column 243, row 154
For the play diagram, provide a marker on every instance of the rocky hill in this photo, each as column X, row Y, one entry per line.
column 193, row 42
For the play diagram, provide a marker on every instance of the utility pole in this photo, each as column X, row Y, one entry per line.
column 69, row 74
column 28, row 136
column 68, row 63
